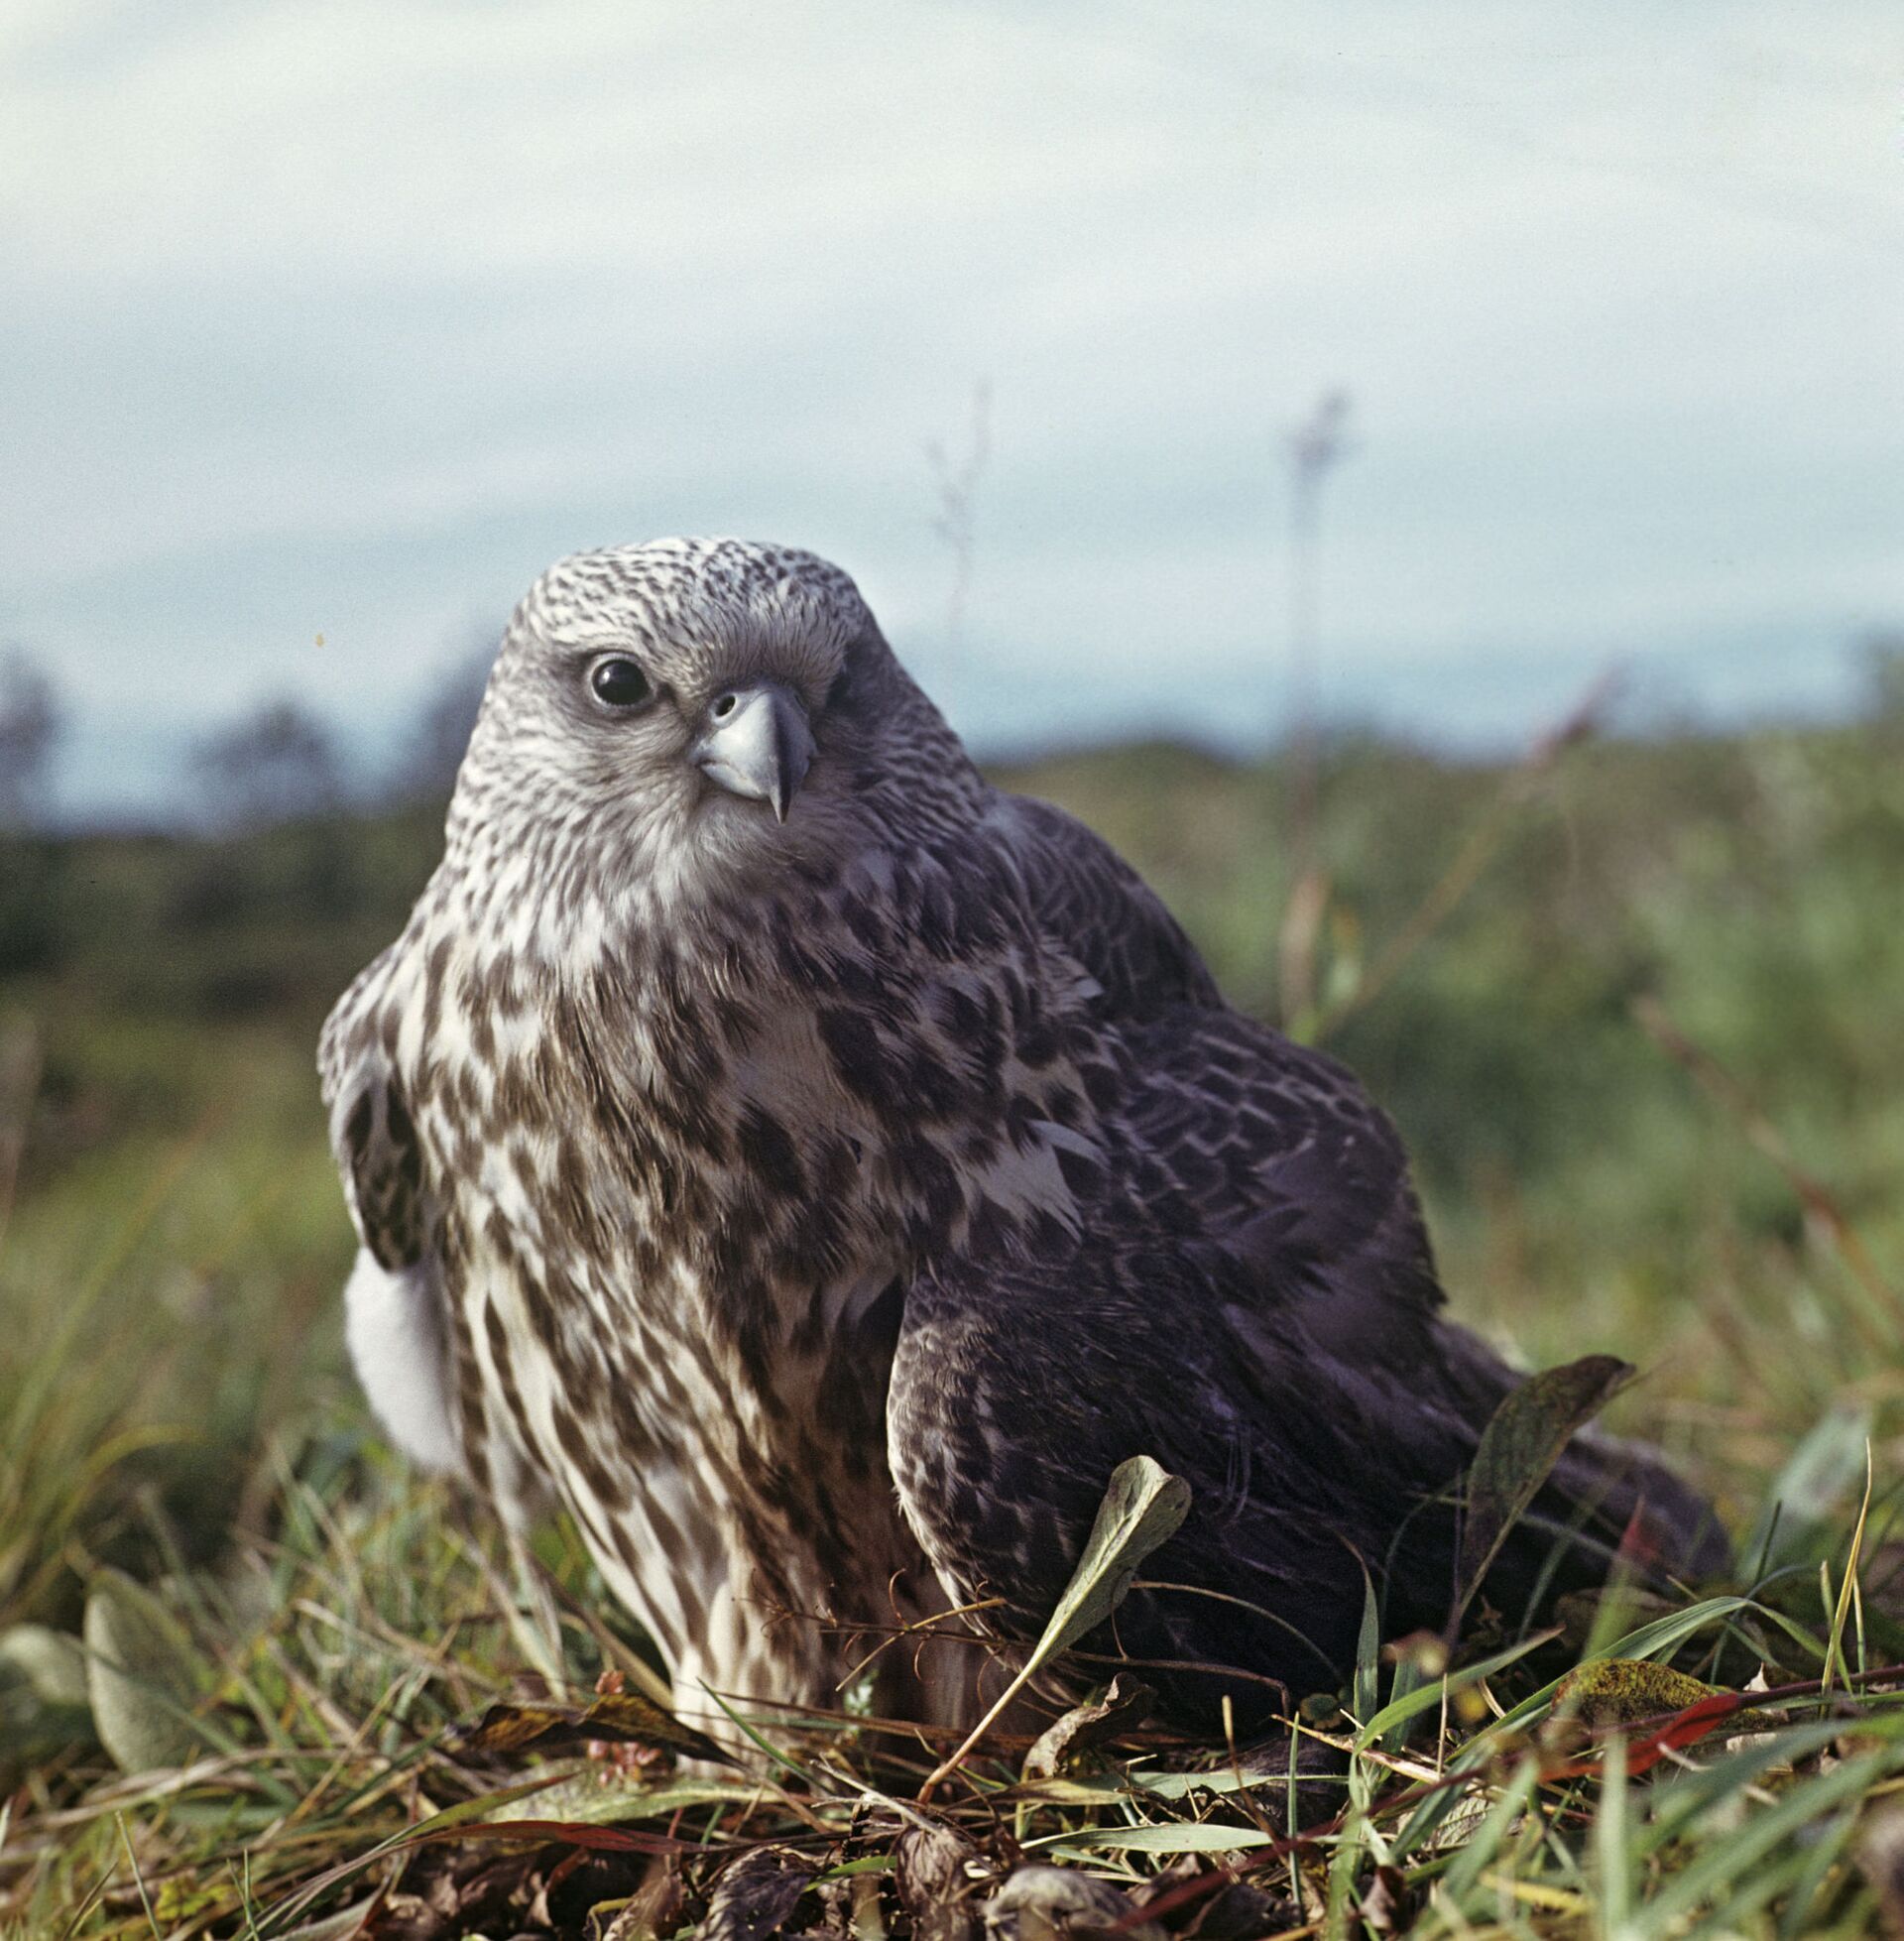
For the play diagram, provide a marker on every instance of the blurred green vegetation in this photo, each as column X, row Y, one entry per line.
column 170, row 1265
column 1638, row 1006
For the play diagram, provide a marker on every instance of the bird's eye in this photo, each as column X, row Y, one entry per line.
column 618, row 682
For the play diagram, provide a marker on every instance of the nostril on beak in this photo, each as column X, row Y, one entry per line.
column 758, row 744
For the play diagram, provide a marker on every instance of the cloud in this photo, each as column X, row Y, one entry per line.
column 346, row 317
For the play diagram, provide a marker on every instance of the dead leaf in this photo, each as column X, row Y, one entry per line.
column 441, row 1893
column 1127, row 1703
column 936, row 1873
column 1391, row 1904
column 143, row 1677
column 1141, row 1508
column 756, row 1897
column 1058, row 1903
column 624, row 1718
column 656, row 1907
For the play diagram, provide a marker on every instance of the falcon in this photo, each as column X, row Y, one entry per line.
column 816, row 1171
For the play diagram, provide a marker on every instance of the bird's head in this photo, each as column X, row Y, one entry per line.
column 690, row 710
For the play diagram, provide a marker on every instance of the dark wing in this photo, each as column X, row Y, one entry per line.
column 1253, row 1304
column 1017, row 1388
column 1293, row 1177
column 1236, row 1134
column 1085, row 899
column 1019, row 1384
column 1229, row 1133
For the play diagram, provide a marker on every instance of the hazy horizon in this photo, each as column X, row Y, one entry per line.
column 343, row 321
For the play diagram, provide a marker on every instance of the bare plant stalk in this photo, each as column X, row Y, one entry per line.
column 1314, row 448
column 19, row 1087
column 1484, row 841
column 956, row 485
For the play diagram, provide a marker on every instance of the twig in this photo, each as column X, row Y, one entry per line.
column 921, row 1628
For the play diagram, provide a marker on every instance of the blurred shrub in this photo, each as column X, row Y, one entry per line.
column 274, row 765
column 31, row 724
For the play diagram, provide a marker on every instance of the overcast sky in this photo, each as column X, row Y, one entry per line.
column 345, row 318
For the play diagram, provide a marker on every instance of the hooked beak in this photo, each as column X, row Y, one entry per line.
column 757, row 744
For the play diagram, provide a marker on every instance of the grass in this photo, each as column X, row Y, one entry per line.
column 332, row 1659
column 1652, row 1063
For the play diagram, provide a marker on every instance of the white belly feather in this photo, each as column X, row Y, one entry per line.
column 394, row 1326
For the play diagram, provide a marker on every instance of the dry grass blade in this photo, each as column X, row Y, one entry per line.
column 1848, row 1591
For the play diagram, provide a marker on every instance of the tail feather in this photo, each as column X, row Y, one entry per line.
column 1661, row 1523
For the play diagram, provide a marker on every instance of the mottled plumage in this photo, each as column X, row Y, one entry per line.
column 818, row 1171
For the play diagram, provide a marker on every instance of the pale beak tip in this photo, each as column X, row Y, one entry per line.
column 760, row 748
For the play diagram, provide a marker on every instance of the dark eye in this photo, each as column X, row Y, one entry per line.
column 618, row 682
